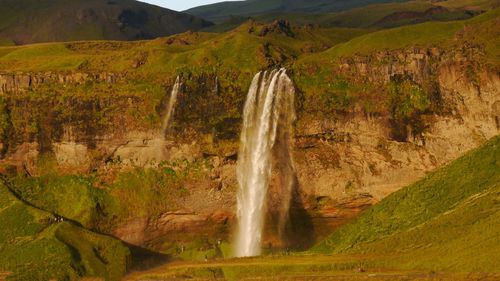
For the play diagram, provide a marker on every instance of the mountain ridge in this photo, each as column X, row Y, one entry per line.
column 219, row 12
column 28, row 21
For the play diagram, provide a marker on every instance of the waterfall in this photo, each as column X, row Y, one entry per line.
column 171, row 105
column 267, row 121
column 216, row 87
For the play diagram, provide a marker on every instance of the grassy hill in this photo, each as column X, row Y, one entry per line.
column 36, row 245
column 448, row 221
column 245, row 48
column 373, row 16
column 222, row 11
column 30, row 21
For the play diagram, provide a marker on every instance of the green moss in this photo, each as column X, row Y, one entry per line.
column 71, row 196
column 6, row 42
column 408, row 102
column 407, row 98
column 5, row 122
column 341, row 97
column 145, row 192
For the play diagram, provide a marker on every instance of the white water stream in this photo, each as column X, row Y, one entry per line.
column 171, row 105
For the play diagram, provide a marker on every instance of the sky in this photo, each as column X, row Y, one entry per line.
column 180, row 5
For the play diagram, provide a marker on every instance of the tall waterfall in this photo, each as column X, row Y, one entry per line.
column 171, row 105
column 267, row 121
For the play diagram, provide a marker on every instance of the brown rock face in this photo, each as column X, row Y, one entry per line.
column 344, row 163
column 174, row 228
column 22, row 82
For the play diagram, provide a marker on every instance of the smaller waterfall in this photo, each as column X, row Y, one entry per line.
column 216, row 87
column 267, row 120
column 171, row 105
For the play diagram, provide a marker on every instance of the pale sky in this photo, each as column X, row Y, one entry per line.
column 180, row 5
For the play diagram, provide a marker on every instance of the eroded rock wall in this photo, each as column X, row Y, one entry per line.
column 345, row 162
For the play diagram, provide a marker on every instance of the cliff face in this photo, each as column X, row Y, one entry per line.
column 345, row 159
column 379, row 152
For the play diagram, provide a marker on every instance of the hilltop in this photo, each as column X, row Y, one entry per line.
column 222, row 11
column 31, row 21
column 372, row 15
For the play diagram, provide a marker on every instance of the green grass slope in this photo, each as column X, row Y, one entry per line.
column 222, row 11
column 374, row 16
column 244, row 48
column 478, row 30
column 35, row 246
column 448, row 221
column 31, row 21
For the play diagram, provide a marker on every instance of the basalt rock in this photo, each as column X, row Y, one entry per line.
column 11, row 83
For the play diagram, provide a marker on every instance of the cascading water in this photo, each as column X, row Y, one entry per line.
column 267, row 121
column 171, row 105
column 216, row 86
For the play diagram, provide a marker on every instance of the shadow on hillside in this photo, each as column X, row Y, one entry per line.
column 144, row 259
column 299, row 230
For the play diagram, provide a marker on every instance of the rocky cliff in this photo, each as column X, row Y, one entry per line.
column 414, row 110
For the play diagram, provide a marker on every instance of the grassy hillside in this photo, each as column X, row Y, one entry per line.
column 30, row 21
column 97, row 201
column 244, row 48
column 374, row 16
column 36, row 245
column 448, row 221
column 222, row 11
column 480, row 30
column 426, row 34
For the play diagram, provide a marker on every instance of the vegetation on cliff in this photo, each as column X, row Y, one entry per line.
column 99, row 201
column 142, row 73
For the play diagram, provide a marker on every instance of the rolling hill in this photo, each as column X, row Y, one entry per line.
column 377, row 15
column 222, row 11
column 41, row 246
column 32, row 21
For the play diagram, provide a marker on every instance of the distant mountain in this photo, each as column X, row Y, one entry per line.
column 220, row 12
column 30, row 21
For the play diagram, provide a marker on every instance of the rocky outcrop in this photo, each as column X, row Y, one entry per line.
column 358, row 154
column 174, row 228
column 22, row 82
